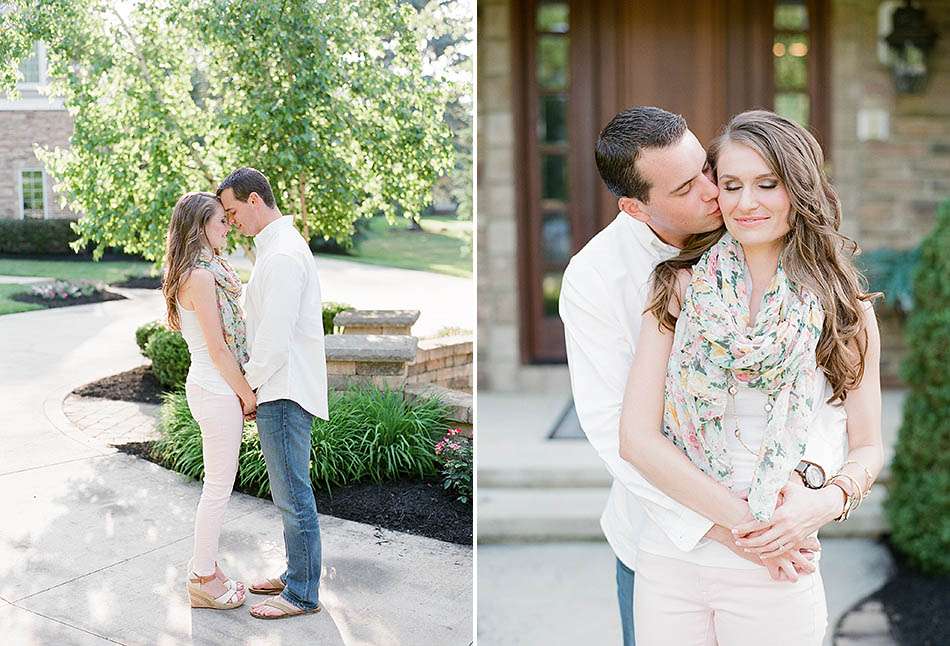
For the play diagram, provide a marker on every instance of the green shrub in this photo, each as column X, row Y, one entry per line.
column 371, row 435
column 919, row 502
column 144, row 334
column 330, row 310
column 891, row 271
column 170, row 359
column 36, row 237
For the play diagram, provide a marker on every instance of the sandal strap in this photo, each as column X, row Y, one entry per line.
column 199, row 579
column 279, row 603
column 230, row 593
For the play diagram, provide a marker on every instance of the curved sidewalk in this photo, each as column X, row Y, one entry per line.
column 94, row 544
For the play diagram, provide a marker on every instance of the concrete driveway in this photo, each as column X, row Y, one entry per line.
column 94, row 544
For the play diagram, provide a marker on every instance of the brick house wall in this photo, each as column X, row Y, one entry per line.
column 23, row 129
column 890, row 189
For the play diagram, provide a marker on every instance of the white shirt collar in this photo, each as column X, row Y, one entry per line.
column 268, row 233
column 648, row 239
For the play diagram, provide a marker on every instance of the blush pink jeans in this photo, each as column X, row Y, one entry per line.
column 677, row 602
column 222, row 422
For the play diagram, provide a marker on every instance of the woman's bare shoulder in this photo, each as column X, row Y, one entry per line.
column 195, row 283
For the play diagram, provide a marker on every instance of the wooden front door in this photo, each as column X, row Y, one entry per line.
column 576, row 64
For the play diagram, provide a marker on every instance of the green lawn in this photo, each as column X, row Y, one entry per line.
column 10, row 306
column 110, row 271
column 442, row 246
column 72, row 270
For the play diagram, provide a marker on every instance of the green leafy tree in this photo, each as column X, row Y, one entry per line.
column 326, row 98
column 446, row 26
column 919, row 502
column 140, row 140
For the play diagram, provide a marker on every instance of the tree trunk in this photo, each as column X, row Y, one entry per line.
column 302, row 187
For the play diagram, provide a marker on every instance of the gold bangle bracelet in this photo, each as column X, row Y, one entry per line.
column 847, row 502
column 867, row 474
column 858, row 493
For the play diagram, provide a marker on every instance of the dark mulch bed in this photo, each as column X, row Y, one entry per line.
column 416, row 507
column 101, row 297
column 916, row 605
column 140, row 282
column 136, row 385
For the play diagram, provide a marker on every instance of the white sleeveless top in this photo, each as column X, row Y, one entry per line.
column 827, row 446
column 202, row 372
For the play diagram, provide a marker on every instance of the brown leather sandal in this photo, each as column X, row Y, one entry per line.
column 286, row 609
column 267, row 586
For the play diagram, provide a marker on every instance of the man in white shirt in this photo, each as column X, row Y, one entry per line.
column 287, row 369
column 657, row 168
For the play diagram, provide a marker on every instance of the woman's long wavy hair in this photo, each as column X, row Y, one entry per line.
column 816, row 255
column 186, row 239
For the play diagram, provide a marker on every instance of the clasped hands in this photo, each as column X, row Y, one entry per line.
column 786, row 544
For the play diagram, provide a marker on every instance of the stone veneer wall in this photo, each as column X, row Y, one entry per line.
column 890, row 189
column 499, row 354
column 444, row 361
column 21, row 130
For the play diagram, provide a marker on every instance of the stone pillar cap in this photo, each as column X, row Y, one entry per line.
column 371, row 347
column 376, row 317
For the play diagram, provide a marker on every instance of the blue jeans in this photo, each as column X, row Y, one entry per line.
column 625, row 599
column 284, row 429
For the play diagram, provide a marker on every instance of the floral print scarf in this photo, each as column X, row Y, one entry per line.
column 228, row 287
column 713, row 347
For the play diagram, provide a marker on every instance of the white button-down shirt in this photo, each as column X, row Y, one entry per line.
column 285, row 321
column 603, row 295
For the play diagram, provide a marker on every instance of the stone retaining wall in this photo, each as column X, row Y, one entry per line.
column 445, row 361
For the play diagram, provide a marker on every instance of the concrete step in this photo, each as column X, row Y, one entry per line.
column 545, row 476
column 539, row 515
column 542, row 515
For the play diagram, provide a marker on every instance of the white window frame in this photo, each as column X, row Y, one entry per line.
column 19, row 183
column 42, row 102
column 40, row 48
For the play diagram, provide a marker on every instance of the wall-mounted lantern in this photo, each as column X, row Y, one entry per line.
column 910, row 42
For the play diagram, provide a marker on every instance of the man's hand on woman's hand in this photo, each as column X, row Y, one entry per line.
column 249, row 406
column 786, row 568
column 799, row 515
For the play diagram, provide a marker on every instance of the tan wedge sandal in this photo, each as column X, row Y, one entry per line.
column 233, row 597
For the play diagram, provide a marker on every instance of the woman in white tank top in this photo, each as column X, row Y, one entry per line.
column 758, row 344
column 202, row 295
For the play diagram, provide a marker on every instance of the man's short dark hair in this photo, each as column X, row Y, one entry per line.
column 619, row 145
column 245, row 181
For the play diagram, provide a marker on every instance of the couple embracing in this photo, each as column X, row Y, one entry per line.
column 270, row 366
column 724, row 362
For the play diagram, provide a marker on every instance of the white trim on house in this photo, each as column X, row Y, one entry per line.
column 36, row 98
column 39, row 103
column 19, row 184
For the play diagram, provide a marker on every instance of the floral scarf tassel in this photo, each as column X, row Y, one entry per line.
column 714, row 345
column 228, row 287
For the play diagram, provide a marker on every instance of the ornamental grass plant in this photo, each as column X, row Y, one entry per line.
column 372, row 435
